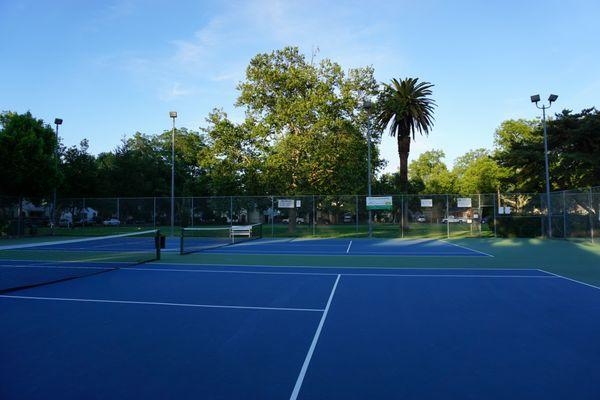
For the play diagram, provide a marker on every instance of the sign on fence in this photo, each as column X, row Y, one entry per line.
column 463, row 202
column 285, row 203
column 426, row 202
column 379, row 203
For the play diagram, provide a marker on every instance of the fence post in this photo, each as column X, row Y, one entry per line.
column 447, row 218
column 230, row 210
column 192, row 211
column 480, row 211
column 564, row 214
column 314, row 216
column 118, row 210
column 591, row 213
column 495, row 227
column 154, row 212
column 356, row 212
column 272, row 216
column 402, row 216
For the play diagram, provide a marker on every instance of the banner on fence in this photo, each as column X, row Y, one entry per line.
column 464, row 202
column 426, row 202
column 285, row 203
column 379, row 203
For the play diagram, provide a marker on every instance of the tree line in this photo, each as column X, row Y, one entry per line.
column 304, row 132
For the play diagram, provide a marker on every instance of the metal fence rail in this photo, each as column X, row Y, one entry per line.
column 574, row 214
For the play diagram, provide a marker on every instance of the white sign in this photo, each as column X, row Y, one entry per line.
column 285, row 203
column 464, row 202
column 379, row 203
column 503, row 210
column 426, row 202
column 298, row 203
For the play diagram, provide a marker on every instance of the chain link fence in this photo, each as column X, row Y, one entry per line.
column 574, row 214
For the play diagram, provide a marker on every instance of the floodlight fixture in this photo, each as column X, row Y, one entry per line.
column 173, row 114
column 58, row 121
column 535, row 98
column 552, row 98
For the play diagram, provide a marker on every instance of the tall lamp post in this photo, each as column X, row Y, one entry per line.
column 368, row 106
column 57, row 122
column 173, row 115
column 551, row 99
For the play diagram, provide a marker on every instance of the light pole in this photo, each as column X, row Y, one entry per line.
column 173, row 114
column 367, row 106
column 551, row 99
column 57, row 122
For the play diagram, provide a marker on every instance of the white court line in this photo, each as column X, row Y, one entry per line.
column 453, row 276
column 232, row 271
column 569, row 279
column 155, row 303
column 341, row 267
column 313, row 344
column 466, row 248
column 348, row 249
column 361, row 253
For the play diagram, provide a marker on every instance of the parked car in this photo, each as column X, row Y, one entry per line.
column 299, row 220
column 348, row 218
column 111, row 222
column 454, row 220
column 421, row 219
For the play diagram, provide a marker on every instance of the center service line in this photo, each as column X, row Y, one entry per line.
column 348, row 249
column 311, row 349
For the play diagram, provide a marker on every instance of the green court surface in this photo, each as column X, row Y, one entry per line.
column 579, row 260
column 349, row 230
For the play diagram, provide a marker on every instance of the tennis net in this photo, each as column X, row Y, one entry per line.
column 206, row 238
column 29, row 265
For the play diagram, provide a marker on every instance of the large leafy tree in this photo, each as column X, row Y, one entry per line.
column 233, row 157
column 405, row 107
column 573, row 144
column 309, row 121
column 477, row 172
column 27, row 156
column 429, row 174
column 80, row 171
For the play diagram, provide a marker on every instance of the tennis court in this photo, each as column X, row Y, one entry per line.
column 227, row 325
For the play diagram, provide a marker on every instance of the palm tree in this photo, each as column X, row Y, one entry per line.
column 406, row 108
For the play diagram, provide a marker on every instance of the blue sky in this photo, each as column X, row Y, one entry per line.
column 112, row 68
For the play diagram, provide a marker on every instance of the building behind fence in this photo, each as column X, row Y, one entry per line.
column 574, row 214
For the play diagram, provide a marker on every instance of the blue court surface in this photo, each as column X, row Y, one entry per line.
column 161, row 331
column 370, row 247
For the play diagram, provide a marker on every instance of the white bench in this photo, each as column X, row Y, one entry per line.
column 241, row 230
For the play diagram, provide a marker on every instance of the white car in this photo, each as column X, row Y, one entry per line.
column 299, row 220
column 453, row 220
column 421, row 219
column 111, row 222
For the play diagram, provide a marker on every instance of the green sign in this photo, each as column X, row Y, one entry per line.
column 379, row 203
